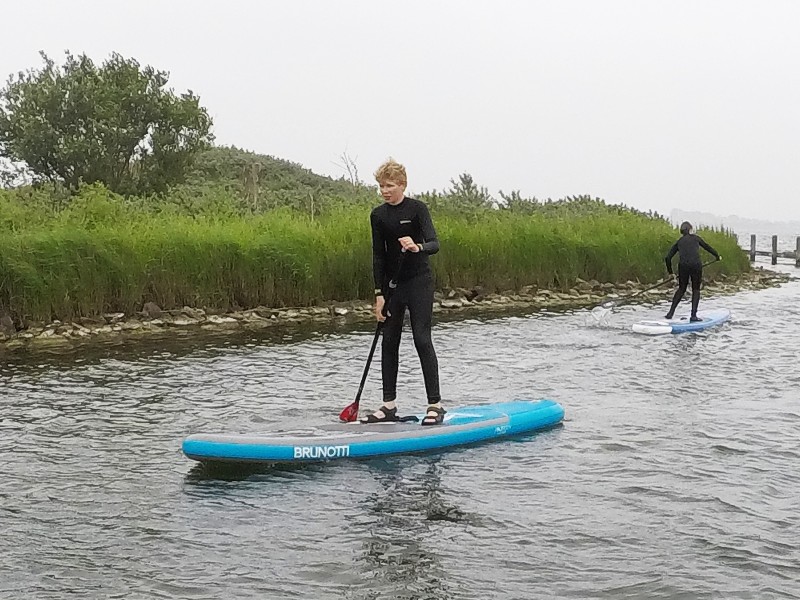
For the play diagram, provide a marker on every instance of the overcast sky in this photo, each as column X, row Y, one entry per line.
column 659, row 105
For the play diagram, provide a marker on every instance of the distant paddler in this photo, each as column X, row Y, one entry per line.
column 689, row 267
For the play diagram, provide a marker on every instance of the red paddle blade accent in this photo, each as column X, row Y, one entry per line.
column 349, row 414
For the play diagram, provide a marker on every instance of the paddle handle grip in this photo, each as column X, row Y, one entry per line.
column 393, row 283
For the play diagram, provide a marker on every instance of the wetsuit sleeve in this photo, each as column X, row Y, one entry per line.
column 378, row 253
column 668, row 258
column 708, row 248
column 430, row 243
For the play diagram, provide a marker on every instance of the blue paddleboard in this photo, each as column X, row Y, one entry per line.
column 462, row 425
column 682, row 324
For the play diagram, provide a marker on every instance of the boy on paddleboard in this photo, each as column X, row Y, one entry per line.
column 403, row 237
column 689, row 267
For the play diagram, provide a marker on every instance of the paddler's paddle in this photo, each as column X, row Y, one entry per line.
column 350, row 412
column 610, row 304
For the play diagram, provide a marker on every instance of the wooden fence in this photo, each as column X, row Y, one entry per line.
column 774, row 252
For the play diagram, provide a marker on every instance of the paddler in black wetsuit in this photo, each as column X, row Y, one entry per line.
column 403, row 225
column 689, row 267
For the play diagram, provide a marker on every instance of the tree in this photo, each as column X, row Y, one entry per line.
column 351, row 168
column 466, row 195
column 514, row 202
column 116, row 123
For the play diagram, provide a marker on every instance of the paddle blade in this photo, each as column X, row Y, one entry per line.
column 350, row 413
column 600, row 315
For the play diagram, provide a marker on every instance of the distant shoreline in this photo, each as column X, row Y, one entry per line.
column 740, row 225
column 188, row 322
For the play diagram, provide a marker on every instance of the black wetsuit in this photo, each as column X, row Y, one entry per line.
column 689, row 267
column 414, row 288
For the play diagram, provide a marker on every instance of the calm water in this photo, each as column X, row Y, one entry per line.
column 786, row 243
column 673, row 476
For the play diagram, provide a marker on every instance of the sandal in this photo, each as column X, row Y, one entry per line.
column 434, row 415
column 389, row 416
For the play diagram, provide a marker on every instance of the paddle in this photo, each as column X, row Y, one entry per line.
column 350, row 412
column 611, row 304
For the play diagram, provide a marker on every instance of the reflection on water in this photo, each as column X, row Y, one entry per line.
column 209, row 472
column 397, row 549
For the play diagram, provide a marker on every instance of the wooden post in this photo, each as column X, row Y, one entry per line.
column 797, row 253
column 774, row 249
column 752, row 247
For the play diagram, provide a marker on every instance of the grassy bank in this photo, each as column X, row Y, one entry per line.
column 102, row 254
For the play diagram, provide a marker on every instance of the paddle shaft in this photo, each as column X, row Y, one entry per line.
column 369, row 362
column 659, row 284
column 614, row 303
column 710, row 262
column 652, row 287
column 351, row 411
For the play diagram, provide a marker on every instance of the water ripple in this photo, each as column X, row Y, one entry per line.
column 673, row 475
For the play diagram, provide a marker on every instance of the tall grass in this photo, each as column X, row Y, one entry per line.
column 101, row 255
column 507, row 251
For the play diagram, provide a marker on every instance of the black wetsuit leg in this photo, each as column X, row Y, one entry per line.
column 420, row 309
column 685, row 273
column 390, row 347
column 696, row 274
column 683, row 283
column 417, row 296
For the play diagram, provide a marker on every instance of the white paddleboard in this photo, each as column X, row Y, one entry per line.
column 682, row 324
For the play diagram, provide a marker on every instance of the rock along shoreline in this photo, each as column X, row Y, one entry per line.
column 154, row 322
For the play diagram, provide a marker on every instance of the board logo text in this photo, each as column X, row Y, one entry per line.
column 321, row 451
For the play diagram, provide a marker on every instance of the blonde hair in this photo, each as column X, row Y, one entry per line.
column 391, row 170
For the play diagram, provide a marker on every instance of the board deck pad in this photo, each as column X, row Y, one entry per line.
column 462, row 425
